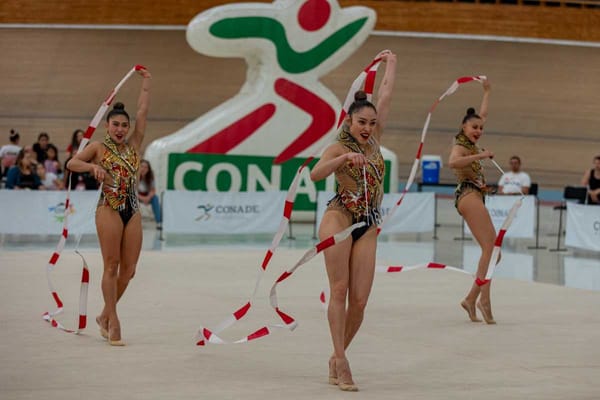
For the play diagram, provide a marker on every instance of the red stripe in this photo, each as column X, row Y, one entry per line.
column 138, row 67
column 65, row 231
column 284, row 317
column 284, row 276
column 419, row 151
column 59, row 303
column 370, row 82
column 67, row 203
column 436, row 265
column 54, row 323
column 322, row 297
column 305, row 163
column 200, row 343
column 267, row 259
column 207, row 334
column 82, row 321
column 89, row 132
column 378, row 229
column 85, row 276
column 264, row 331
column 464, row 79
column 330, row 241
column 322, row 115
column 375, row 61
column 287, row 210
column 54, row 258
column 110, row 97
column 481, row 282
column 500, row 238
column 395, row 269
column 234, row 134
column 239, row 314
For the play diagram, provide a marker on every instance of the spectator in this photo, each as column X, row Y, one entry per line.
column 22, row 175
column 147, row 191
column 49, row 179
column 52, row 165
column 41, row 146
column 9, row 152
column 591, row 179
column 515, row 181
column 76, row 138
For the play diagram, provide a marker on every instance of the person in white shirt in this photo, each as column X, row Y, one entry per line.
column 515, row 181
column 9, row 152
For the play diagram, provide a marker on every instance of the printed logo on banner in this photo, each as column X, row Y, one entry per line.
column 596, row 226
column 205, row 215
column 58, row 211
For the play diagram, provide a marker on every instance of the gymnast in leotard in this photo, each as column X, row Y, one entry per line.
column 115, row 163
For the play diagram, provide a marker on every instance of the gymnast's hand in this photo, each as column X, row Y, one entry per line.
column 356, row 159
column 486, row 154
column 98, row 172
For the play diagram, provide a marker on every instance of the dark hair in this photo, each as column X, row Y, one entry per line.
column 14, row 136
column 118, row 109
column 516, row 158
column 74, row 142
column 149, row 177
column 43, row 134
column 360, row 102
column 597, row 157
column 53, row 147
column 20, row 157
column 470, row 115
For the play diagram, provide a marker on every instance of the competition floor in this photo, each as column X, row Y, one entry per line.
column 415, row 343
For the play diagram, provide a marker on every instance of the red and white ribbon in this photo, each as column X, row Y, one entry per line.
column 394, row 269
column 365, row 80
column 49, row 316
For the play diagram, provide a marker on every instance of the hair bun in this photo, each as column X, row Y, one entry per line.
column 470, row 111
column 13, row 134
column 360, row 95
column 119, row 106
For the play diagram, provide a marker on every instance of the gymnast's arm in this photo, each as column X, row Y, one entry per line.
column 384, row 94
column 142, row 111
column 483, row 109
column 334, row 157
column 460, row 157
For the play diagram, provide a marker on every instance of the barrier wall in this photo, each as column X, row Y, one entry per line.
column 493, row 19
column 583, row 226
column 523, row 225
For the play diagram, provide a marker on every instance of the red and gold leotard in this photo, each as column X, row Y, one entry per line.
column 122, row 167
column 351, row 197
column 470, row 177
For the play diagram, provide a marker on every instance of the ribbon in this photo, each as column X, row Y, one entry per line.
column 49, row 316
column 366, row 80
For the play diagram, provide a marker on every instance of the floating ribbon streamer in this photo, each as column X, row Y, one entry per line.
column 85, row 275
column 366, row 80
column 393, row 269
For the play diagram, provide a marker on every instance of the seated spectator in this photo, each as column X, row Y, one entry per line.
column 52, row 164
column 515, row 181
column 41, row 146
column 49, row 179
column 76, row 138
column 22, row 175
column 79, row 180
column 591, row 179
column 147, row 191
column 9, row 152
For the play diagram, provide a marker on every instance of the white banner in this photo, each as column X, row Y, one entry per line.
column 31, row 212
column 523, row 225
column 415, row 214
column 583, row 226
column 222, row 212
column 582, row 273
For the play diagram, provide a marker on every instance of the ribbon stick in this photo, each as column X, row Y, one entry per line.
column 85, row 275
column 365, row 80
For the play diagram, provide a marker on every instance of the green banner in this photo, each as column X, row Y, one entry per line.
column 241, row 173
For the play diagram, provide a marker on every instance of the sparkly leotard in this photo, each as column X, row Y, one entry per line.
column 122, row 167
column 351, row 197
column 470, row 177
